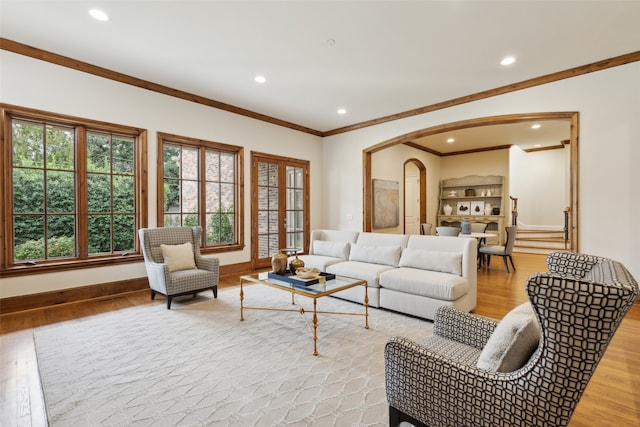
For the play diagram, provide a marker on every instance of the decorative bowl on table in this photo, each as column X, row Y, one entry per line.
column 307, row 273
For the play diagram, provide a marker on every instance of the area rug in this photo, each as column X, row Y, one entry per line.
column 199, row 365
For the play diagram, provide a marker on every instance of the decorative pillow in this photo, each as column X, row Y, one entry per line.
column 513, row 341
column 386, row 255
column 179, row 257
column 331, row 249
column 445, row 262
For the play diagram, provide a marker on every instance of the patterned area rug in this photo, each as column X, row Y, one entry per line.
column 199, row 365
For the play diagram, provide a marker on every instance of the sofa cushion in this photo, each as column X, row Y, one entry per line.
column 432, row 284
column 331, row 249
column 512, row 342
column 445, row 262
column 178, row 257
column 385, row 255
column 360, row 270
column 320, row 262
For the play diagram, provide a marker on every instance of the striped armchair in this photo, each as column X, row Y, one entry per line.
column 578, row 306
column 201, row 275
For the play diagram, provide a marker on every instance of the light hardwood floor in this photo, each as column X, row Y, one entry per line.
column 612, row 398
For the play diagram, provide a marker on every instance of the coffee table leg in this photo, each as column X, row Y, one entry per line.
column 315, row 327
column 241, row 298
column 366, row 305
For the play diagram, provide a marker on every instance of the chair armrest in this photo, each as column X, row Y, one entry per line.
column 210, row 264
column 465, row 328
column 433, row 388
column 158, row 275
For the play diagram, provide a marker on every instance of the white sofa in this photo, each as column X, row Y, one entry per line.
column 412, row 274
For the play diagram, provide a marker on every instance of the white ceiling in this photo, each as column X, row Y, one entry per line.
column 388, row 56
column 551, row 133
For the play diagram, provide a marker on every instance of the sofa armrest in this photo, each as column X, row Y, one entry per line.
column 465, row 328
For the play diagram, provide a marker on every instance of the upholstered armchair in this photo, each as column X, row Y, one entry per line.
column 537, row 376
column 174, row 264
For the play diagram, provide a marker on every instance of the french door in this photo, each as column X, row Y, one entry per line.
column 279, row 206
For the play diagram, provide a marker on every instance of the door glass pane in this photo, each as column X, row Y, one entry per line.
column 294, row 207
column 267, row 204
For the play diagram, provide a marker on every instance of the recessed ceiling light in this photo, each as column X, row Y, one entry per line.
column 450, row 141
column 260, row 79
column 342, row 111
column 537, row 145
column 508, row 60
column 99, row 15
column 536, row 126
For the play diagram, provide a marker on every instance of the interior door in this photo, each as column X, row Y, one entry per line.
column 280, row 206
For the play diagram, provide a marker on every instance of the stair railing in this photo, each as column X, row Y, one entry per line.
column 567, row 210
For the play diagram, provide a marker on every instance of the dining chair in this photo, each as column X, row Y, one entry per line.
column 447, row 231
column 425, row 228
column 503, row 251
column 479, row 227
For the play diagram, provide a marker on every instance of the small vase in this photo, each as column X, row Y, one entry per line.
column 447, row 209
column 487, row 209
column 279, row 263
column 295, row 264
column 466, row 227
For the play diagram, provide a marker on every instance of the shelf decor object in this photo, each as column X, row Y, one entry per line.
column 478, row 198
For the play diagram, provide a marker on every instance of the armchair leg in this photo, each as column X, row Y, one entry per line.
column 396, row 417
column 153, row 294
column 169, row 298
column 215, row 291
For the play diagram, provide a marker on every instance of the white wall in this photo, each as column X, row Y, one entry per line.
column 39, row 85
column 609, row 105
column 389, row 164
column 538, row 179
column 608, row 102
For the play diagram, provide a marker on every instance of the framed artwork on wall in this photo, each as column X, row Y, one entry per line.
column 386, row 210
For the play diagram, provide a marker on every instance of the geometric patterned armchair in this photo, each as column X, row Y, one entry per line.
column 578, row 305
column 174, row 264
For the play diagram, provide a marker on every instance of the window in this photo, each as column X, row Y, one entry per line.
column 199, row 183
column 72, row 194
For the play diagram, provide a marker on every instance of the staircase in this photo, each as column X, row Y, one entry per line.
column 539, row 241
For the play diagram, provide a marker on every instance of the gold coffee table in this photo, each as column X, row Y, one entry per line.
column 314, row 292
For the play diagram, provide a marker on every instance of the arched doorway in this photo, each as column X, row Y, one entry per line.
column 573, row 167
column 415, row 200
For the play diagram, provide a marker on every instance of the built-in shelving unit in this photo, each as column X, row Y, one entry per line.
column 477, row 198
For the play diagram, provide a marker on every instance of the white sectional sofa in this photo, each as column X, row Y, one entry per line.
column 412, row 274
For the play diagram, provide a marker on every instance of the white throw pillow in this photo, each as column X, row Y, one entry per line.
column 385, row 255
column 179, row 257
column 513, row 341
column 445, row 262
column 331, row 249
